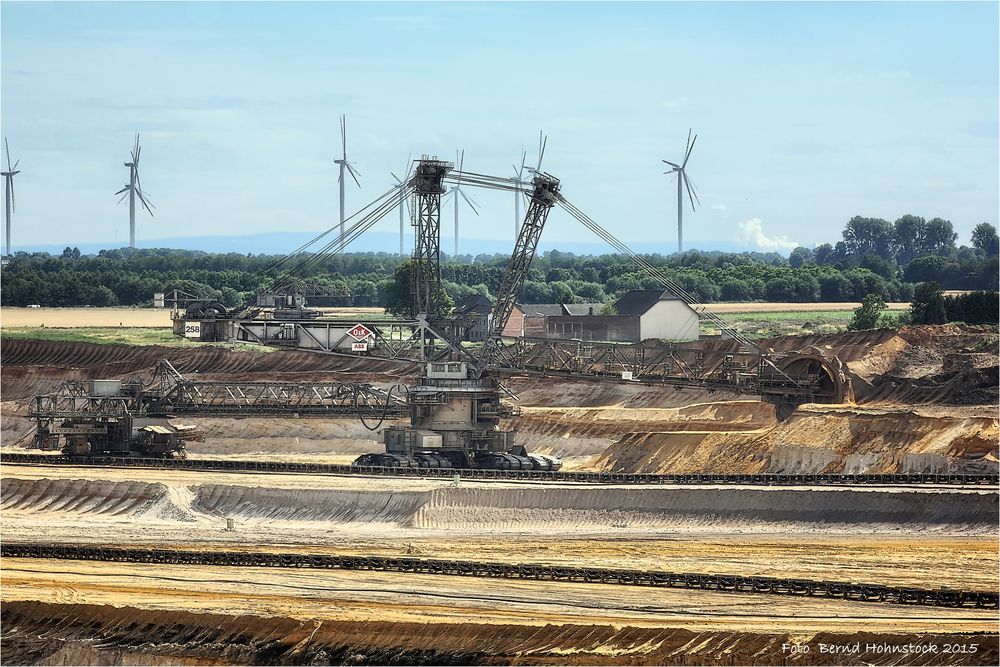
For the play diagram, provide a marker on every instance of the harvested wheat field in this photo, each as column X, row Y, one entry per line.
column 923, row 400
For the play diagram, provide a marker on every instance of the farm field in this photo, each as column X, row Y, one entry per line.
column 71, row 318
column 785, row 307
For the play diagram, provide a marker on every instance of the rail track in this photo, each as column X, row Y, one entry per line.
column 210, row 465
column 588, row 575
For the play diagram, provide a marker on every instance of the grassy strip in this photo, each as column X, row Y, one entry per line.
column 785, row 323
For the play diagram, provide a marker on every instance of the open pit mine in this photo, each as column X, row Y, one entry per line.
column 686, row 525
column 436, row 490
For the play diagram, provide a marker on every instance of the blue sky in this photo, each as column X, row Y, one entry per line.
column 806, row 113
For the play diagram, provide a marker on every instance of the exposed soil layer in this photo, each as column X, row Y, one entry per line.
column 338, row 503
column 818, row 439
column 516, row 522
column 926, row 401
column 56, row 634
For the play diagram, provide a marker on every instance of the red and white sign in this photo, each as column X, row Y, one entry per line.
column 360, row 332
column 359, row 347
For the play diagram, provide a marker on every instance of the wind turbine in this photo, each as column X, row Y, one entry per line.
column 542, row 140
column 133, row 188
column 518, row 192
column 401, row 183
column 8, row 178
column 456, row 192
column 345, row 166
column 683, row 181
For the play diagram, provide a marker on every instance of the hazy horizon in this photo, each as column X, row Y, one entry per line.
column 807, row 114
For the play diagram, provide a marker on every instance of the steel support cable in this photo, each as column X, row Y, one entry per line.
column 380, row 210
column 656, row 273
column 482, row 181
column 671, row 286
column 382, row 207
column 376, row 202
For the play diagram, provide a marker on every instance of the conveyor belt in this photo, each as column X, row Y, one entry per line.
column 810, row 479
column 586, row 575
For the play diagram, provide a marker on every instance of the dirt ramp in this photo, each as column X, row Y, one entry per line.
column 708, row 509
column 334, row 506
column 113, row 499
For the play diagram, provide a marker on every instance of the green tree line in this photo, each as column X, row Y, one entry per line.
column 874, row 257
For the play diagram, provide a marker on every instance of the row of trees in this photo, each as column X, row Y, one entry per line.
column 875, row 257
column 930, row 305
column 913, row 249
column 57, row 282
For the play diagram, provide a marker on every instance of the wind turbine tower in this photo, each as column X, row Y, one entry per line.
column 683, row 181
column 8, row 179
column 133, row 190
column 401, row 184
column 456, row 192
column 347, row 167
column 518, row 192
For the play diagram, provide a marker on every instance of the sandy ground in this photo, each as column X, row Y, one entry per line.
column 903, row 536
column 320, row 594
column 671, row 529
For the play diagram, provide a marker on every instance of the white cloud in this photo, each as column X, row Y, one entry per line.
column 718, row 207
column 752, row 233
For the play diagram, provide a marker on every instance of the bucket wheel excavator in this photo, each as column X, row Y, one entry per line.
column 455, row 408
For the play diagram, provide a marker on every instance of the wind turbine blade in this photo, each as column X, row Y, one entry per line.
column 343, row 134
column 675, row 166
column 687, row 144
column 541, row 154
column 122, row 198
column 691, row 148
column 7, row 149
column 145, row 203
column 468, row 201
column 15, row 166
column 350, row 169
column 694, row 188
column 396, row 177
column 142, row 195
column 687, row 184
column 125, row 189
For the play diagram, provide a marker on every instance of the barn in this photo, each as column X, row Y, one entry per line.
column 640, row 315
